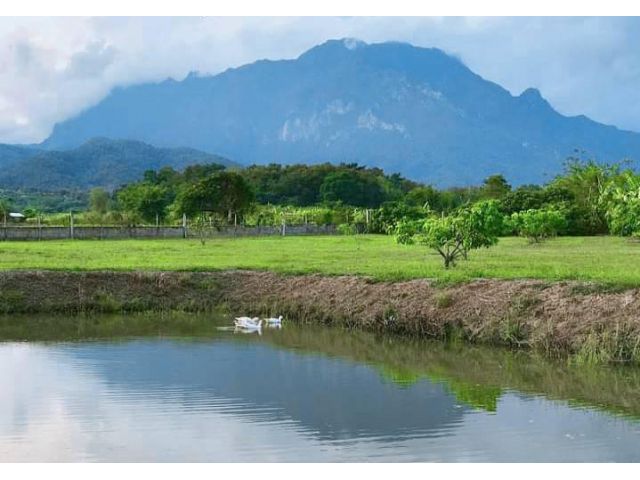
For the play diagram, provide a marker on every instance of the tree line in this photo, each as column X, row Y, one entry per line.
column 587, row 198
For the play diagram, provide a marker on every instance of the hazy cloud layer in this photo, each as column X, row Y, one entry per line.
column 52, row 68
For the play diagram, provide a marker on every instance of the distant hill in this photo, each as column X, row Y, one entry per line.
column 98, row 162
column 10, row 154
column 416, row 111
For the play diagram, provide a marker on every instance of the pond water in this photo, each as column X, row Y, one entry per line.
column 178, row 388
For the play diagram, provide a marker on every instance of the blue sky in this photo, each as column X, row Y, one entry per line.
column 52, row 68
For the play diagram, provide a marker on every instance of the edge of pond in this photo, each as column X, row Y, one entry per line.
column 593, row 323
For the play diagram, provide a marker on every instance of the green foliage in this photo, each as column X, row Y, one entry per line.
column 306, row 185
column 593, row 198
column 387, row 218
column 223, row 193
column 406, row 230
column 346, row 229
column 99, row 200
column 5, row 208
column 621, row 200
column 495, row 187
column 352, row 188
column 585, row 182
column 430, row 198
column 538, row 225
column 46, row 202
column 144, row 200
column 453, row 236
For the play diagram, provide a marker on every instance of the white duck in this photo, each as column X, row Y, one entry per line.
column 246, row 322
column 251, row 327
column 274, row 321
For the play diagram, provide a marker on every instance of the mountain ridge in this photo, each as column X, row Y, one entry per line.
column 414, row 110
column 99, row 162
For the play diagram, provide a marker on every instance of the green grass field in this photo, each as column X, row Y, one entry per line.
column 602, row 259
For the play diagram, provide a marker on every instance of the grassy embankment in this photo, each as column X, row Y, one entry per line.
column 609, row 260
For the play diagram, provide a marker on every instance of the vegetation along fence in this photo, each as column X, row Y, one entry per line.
column 15, row 232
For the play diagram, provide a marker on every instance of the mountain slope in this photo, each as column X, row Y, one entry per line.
column 9, row 154
column 98, row 162
column 413, row 110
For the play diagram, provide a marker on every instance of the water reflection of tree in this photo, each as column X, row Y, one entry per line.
column 476, row 375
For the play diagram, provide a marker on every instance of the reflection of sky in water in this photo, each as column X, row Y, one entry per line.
column 215, row 401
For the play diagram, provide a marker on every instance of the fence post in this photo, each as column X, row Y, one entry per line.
column 284, row 227
column 4, row 223
column 39, row 228
column 184, row 225
column 71, row 233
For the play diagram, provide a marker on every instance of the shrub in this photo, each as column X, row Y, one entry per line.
column 538, row 225
column 622, row 206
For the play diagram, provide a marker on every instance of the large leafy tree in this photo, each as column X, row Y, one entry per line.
column 353, row 187
column 223, row 193
column 146, row 200
column 585, row 182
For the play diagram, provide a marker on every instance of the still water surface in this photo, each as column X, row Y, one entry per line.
column 180, row 389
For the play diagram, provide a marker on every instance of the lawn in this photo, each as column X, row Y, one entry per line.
column 603, row 259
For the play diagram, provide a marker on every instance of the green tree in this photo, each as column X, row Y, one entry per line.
column 223, row 193
column 585, row 181
column 99, row 200
column 495, row 187
column 621, row 201
column 538, row 225
column 145, row 200
column 353, row 187
column 454, row 235
column 5, row 208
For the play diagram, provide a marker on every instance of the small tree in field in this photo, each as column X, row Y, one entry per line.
column 455, row 235
column 538, row 225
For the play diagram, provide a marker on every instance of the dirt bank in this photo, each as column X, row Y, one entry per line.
column 591, row 322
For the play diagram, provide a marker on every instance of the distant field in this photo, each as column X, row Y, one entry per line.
column 603, row 259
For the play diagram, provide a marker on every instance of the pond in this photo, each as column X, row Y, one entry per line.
column 180, row 388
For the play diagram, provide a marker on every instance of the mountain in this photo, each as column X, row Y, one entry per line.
column 10, row 154
column 97, row 162
column 417, row 111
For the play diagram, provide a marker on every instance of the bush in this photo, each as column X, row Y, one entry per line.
column 538, row 225
column 347, row 229
column 622, row 206
column 406, row 230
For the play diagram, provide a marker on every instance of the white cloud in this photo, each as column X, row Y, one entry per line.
column 52, row 68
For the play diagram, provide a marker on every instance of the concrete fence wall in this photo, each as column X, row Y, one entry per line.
column 104, row 233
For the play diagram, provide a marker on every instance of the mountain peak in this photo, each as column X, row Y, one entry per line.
column 416, row 110
column 353, row 43
column 334, row 48
column 532, row 97
column 531, row 93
